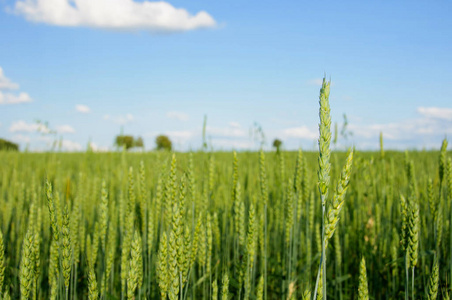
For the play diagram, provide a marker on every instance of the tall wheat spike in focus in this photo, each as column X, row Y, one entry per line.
column 324, row 169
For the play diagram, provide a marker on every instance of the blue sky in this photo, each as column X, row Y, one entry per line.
column 90, row 67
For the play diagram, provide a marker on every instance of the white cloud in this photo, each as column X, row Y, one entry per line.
column 427, row 130
column 22, row 126
column 68, row 145
column 181, row 136
column 234, row 124
column 20, row 138
column 232, row 144
column 436, row 112
column 65, row 129
column 82, row 109
column 11, row 98
column 157, row 16
column 226, row 132
column 45, row 138
column 96, row 148
column 121, row 120
column 404, row 130
column 176, row 115
column 433, row 121
column 302, row 132
column 6, row 83
column 8, row 98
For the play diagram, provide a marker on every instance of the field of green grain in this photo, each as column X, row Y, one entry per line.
column 226, row 225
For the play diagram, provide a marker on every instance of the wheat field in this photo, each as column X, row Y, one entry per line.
column 227, row 225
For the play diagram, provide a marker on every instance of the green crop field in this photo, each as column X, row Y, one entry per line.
column 226, row 225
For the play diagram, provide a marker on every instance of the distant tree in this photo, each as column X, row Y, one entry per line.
column 277, row 144
column 8, row 146
column 128, row 141
column 139, row 142
column 163, row 143
column 125, row 141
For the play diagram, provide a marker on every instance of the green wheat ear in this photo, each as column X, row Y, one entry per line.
column 335, row 208
column 27, row 265
column 306, row 294
column 413, row 238
column 404, row 229
column 92, row 285
column 363, row 293
column 324, row 140
column 260, row 289
column 103, row 215
column 225, row 288
column 323, row 177
column 134, row 266
column 214, row 290
column 433, row 282
column 162, row 266
column 66, row 261
column 6, row 295
column 442, row 161
column 52, row 212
